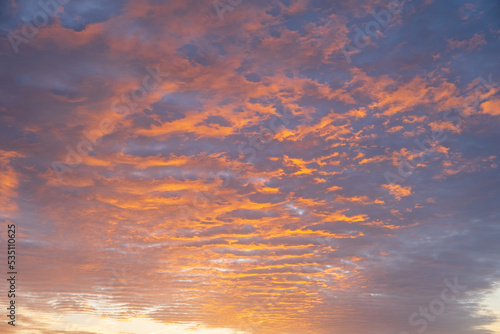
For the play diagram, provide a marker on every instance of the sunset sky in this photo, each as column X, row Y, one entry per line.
column 251, row 167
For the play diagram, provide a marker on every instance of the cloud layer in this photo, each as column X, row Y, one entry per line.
column 286, row 167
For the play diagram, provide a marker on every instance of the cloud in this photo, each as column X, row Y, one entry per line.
column 397, row 190
column 473, row 43
column 78, row 15
column 491, row 107
column 247, row 190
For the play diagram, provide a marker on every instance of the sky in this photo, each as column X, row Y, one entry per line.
column 251, row 167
